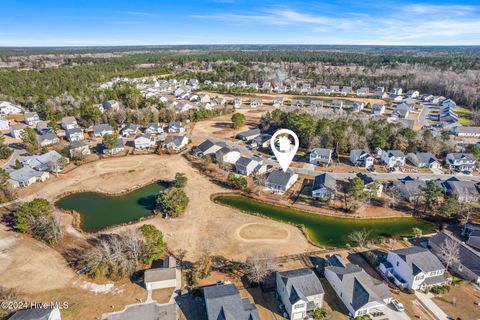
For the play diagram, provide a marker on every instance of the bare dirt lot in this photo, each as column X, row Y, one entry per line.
column 203, row 222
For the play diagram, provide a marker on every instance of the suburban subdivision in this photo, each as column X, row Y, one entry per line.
column 145, row 182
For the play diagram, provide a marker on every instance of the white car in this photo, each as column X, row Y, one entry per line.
column 398, row 305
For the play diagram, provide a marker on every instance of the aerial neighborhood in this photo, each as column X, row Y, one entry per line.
column 160, row 191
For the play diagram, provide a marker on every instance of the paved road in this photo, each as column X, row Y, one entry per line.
column 9, row 165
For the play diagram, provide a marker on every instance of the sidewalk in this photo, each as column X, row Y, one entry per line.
column 426, row 300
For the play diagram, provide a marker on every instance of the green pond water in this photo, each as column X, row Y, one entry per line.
column 325, row 230
column 99, row 211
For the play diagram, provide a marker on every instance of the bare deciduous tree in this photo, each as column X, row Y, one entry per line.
column 259, row 266
column 450, row 252
column 359, row 237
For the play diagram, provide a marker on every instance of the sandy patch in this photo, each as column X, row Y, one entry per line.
column 126, row 164
column 254, row 232
column 204, row 221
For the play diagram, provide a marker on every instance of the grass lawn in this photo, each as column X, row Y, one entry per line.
column 464, row 116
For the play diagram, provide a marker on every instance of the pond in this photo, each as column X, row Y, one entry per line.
column 325, row 230
column 98, row 211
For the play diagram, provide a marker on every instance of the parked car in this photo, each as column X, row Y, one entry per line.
column 398, row 305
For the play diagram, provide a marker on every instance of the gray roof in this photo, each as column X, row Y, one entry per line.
column 74, row 130
column 467, row 256
column 279, row 178
column 224, row 302
column 68, row 120
column 146, row 311
column 205, row 145
column 359, row 153
column 358, row 285
column 461, row 188
column 77, row 144
column 410, row 187
column 159, row 274
column 322, row 152
column 244, row 161
column 131, row 127
column 419, row 259
column 395, row 153
column 300, row 284
column 177, row 140
column 422, row 157
column 462, row 129
column 18, row 126
column 248, row 133
column 99, row 128
column 366, row 178
column 325, row 180
column 47, row 136
column 32, row 314
column 462, row 156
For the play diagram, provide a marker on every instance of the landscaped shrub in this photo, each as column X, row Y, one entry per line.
column 440, row 289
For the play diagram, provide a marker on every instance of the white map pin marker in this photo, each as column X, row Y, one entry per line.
column 286, row 151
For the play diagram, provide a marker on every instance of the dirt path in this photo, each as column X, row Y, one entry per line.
column 204, row 222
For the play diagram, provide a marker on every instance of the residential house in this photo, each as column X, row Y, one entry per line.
column 129, row 130
column 42, row 313
column 474, row 239
column 361, row 158
column 335, row 89
column 300, row 291
column 467, row 132
column 424, row 160
column 145, row 311
column 78, row 149
column 237, row 102
column 27, row 176
column 145, row 142
column 396, row 91
column 324, row 187
column 378, row 109
column 111, row 105
column 346, row 91
column 17, row 129
column 207, row 147
column 461, row 161
column 468, row 265
column 255, row 103
column 47, row 139
column 9, row 108
column 261, row 141
column 100, row 130
column 69, row 123
column 379, row 92
column 412, row 94
column 278, row 102
column 176, row 127
column 4, row 124
column 360, row 293
column 466, row 191
column 253, row 86
column 409, row 188
column 227, row 155
column 393, row 158
column 363, row 92
column 175, row 143
column 248, row 135
column 120, row 147
column 74, row 134
column 320, row 156
column 357, row 106
column 51, row 161
column 166, row 276
column 154, row 128
column 42, row 127
column 371, row 185
column 246, row 166
column 279, row 181
column 31, row 118
column 223, row 301
column 414, row 268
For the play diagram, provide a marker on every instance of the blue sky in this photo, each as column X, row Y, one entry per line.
column 142, row 22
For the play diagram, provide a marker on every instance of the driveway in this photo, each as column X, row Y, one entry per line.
column 392, row 314
column 426, row 300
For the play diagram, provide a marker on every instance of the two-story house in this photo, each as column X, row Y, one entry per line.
column 424, row 160
column 393, row 158
column 414, row 268
column 361, row 158
column 359, row 292
column 279, row 181
column 246, row 166
column 461, row 161
column 324, row 187
column 300, row 291
column 320, row 156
